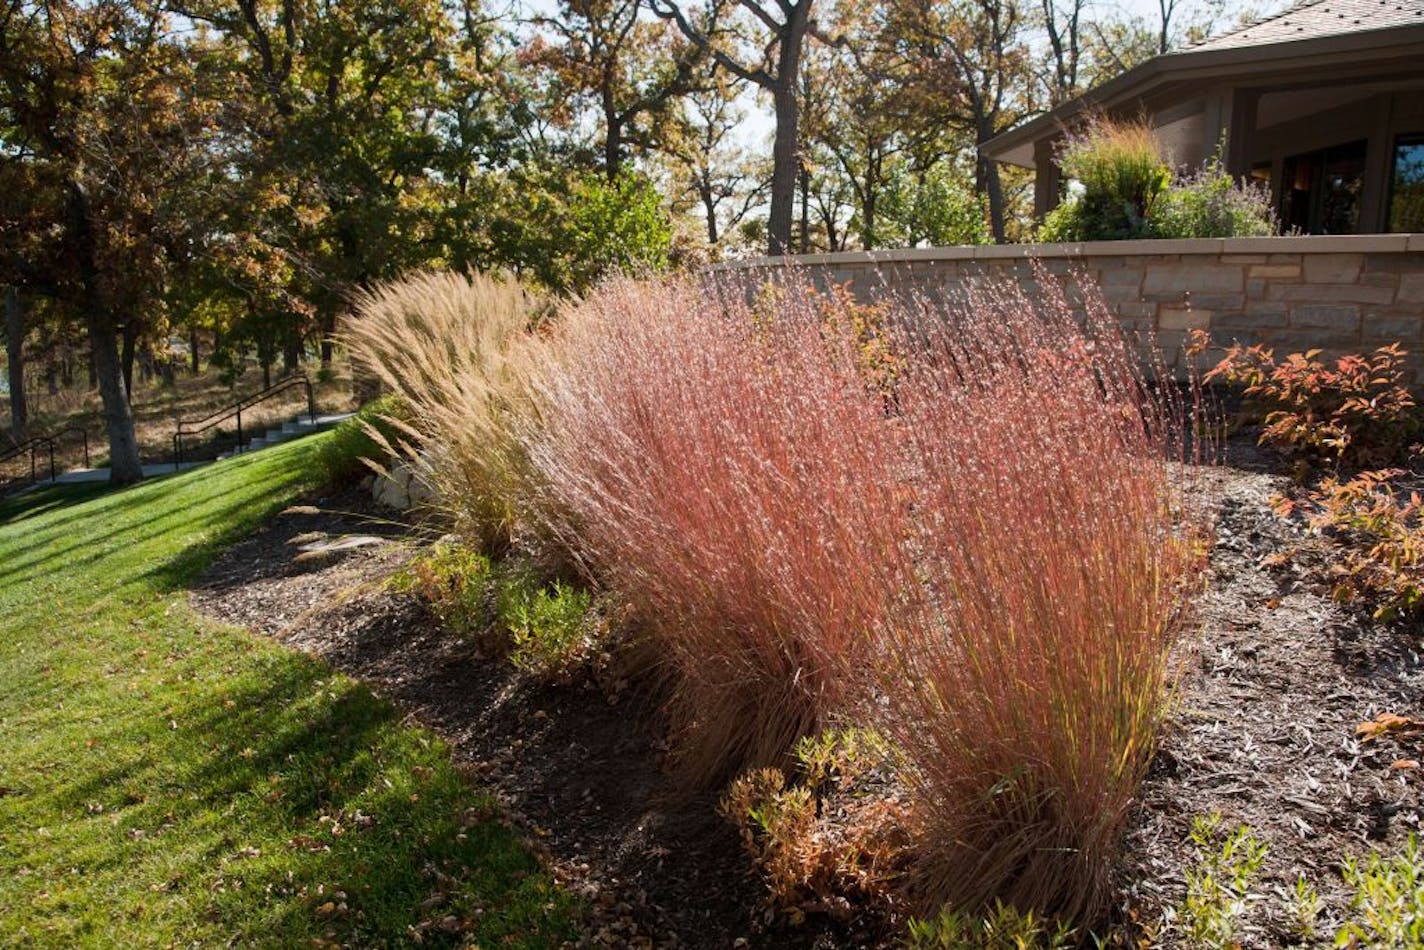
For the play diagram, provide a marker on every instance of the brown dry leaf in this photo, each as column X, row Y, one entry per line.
column 1387, row 722
column 1401, row 764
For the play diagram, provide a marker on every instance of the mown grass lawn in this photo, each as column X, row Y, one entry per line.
column 165, row 779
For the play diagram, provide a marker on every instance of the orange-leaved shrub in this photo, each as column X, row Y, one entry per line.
column 1377, row 519
column 452, row 346
column 1054, row 547
column 728, row 471
column 1355, row 411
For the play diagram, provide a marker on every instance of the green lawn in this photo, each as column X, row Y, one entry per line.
column 165, row 779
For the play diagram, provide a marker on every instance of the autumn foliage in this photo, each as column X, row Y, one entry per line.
column 1355, row 411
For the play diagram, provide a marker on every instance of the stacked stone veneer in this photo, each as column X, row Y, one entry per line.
column 1338, row 293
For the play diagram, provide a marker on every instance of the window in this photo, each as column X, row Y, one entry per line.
column 1320, row 190
column 1406, row 184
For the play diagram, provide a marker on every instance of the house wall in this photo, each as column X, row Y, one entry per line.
column 1340, row 294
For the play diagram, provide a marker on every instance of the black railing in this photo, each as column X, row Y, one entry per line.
column 49, row 443
column 191, row 427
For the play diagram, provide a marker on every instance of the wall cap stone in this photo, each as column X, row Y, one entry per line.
column 1308, row 244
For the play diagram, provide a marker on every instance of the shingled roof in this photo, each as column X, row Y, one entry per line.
column 1310, row 36
column 1317, row 18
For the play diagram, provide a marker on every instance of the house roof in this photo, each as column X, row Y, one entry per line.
column 1312, row 18
column 1303, row 38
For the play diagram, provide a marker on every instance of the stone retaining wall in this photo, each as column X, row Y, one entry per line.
column 1338, row 293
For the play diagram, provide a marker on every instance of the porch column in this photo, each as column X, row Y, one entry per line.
column 1046, row 177
column 1241, row 130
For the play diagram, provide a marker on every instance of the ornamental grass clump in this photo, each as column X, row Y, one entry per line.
column 451, row 345
column 1054, row 547
column 961, row 525
column 726, row 467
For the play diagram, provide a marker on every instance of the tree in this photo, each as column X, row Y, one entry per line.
column 633, row 71
column 337, row 129
column 1062, row 22
column 101, row 110
column 968, row 63
column 710, row 166
column 762, row 46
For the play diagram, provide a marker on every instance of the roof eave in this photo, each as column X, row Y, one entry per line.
column 1171, row 66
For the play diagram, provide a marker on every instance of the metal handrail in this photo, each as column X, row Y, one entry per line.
column 51, row 441
column 32, row 444
column 83, row 434
column 191, row 427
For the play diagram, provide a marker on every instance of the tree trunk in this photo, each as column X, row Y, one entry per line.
column 709, row 205
column 124, row 465
column 785, row 164
column 128, row 336
column 193, row 350
column 15, row 354
column 612, row 137
column 991, row 185
column 805, row 178
column 292, row 352
column 328, row 342
column 93, row 373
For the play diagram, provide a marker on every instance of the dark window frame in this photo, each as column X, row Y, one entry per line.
column 1401, row 140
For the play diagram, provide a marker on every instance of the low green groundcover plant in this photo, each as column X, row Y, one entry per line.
column 169, row 780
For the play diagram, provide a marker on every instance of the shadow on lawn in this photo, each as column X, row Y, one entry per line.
column 17, row 508
column 192, row 509
column 342, row 821
column 370, row 807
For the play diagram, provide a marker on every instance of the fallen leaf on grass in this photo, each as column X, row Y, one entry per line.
column 1387, row 722
column 1401, row 764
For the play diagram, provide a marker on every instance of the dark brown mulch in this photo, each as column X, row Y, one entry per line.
column 1271, row 688
column 582, row 775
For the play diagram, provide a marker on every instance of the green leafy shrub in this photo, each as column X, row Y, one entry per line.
column 450, row 579
column 546, row 623
column 934, row 208
column 1388, row 905
column 347, row 453
column 579, row 227
column 1126, row 188
column 1121, row 172
column 1209, row 203
column 1355, row 412
column 1219, row 885
column 1002, row 928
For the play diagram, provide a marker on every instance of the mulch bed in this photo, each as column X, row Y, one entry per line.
column 1271, row 688
column 582, row 776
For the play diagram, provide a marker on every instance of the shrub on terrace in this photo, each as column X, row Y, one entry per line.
column 1126, row 189
column 1209, row 203
column 1121, row 171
